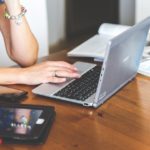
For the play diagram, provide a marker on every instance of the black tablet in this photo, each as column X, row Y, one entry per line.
column 24, row 123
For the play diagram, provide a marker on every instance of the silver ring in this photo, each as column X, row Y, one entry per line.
column 54, row 74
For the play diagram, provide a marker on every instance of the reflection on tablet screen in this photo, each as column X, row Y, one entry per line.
column 18, row 120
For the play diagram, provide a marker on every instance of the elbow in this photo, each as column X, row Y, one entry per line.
column 29, row 59
column 28, row 62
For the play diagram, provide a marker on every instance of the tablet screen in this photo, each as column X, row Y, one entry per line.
column 18, row 120
column 1, row 1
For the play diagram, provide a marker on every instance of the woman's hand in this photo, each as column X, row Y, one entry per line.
column 49, row 71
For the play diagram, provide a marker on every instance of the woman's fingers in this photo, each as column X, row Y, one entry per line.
column 55, row 80
column 61, row 69
column 53, row 72
column 60, row 76
column 66, row 73
column 61, row 64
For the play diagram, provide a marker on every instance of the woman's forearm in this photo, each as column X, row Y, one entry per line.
column 24, row 46
column 9, row 75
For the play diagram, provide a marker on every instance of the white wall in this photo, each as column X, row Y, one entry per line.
column 56, row 21
column 37, row 18
column 127, row 12
column 142, row 9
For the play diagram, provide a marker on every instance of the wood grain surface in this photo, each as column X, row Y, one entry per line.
column 122, row 123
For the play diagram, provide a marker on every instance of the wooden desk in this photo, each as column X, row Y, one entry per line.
column 122, row 123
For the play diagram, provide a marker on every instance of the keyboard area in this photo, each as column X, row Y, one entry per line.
column 82, row 88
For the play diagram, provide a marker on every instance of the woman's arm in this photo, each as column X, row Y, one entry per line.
column 49, row 71
column 22, row 47
column 21, row 44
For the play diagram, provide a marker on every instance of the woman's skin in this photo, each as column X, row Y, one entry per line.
column 22, row 47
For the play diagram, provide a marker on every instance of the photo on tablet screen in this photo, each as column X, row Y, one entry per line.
column 18, row 120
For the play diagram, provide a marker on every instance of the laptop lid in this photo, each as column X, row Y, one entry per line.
column 121, row 61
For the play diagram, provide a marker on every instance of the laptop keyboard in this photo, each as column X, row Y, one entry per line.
column 82, row 88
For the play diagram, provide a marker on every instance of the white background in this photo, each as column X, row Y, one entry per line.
column 142, row 9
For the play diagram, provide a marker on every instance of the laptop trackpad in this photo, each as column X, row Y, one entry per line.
column 83, row 66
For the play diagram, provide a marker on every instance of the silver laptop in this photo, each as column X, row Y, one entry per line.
column 98, row 83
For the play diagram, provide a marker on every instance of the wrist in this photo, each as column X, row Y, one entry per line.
column 13, row 75
column 16, row 75
column 22, row 76
column 14, row 10
column 18, row 17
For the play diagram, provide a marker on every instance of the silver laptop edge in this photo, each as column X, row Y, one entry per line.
column 127, row 48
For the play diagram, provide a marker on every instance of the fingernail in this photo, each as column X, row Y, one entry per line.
column 75, row 68
column 64, row 79
column 78, row 75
